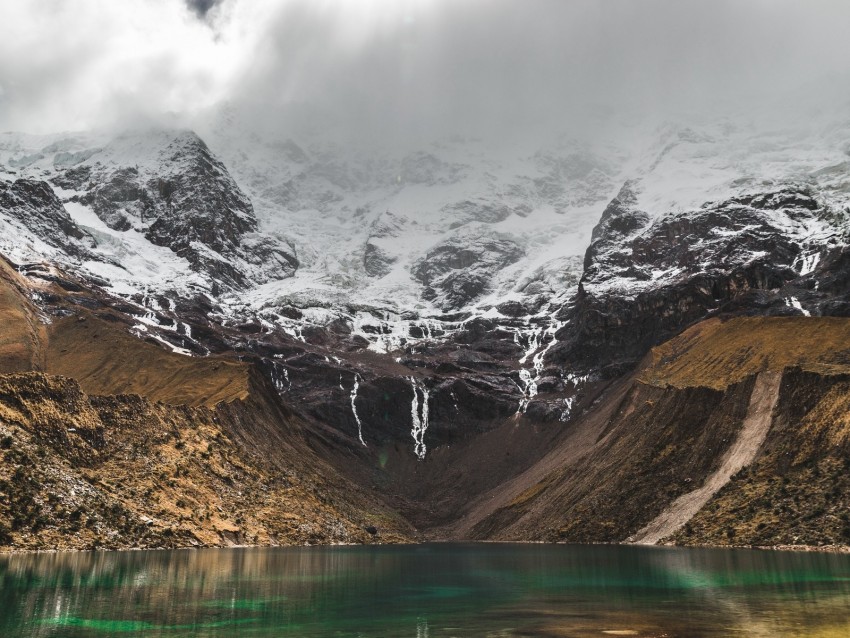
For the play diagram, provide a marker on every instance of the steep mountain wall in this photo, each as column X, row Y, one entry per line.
column 646, row 277
column 723, row 437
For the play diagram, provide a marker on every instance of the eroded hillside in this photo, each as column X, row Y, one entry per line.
column 110, row 441
column 735, row 432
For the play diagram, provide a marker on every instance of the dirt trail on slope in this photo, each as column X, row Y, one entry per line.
column 742, row 452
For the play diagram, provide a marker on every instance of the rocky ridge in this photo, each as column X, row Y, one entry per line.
column 644, row 279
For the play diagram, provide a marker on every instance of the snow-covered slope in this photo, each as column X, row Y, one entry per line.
column 366, row 223
column 385, row 240
column 714, row 220
column 160, row 210
column 553, row 246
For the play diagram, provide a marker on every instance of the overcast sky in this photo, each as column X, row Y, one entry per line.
column 419, row 67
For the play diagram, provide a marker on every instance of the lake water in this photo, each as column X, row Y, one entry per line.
column 425, row 591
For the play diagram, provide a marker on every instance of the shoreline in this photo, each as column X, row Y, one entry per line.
column 823, row 549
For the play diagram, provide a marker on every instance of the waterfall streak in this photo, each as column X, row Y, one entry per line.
column 354, row 408
column 419, row 418
column 536, row 338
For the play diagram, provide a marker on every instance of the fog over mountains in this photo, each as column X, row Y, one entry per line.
column 372, row 138
column 412, row 70
column 431, row 237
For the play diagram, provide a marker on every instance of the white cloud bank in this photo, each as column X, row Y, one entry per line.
column 411, row 67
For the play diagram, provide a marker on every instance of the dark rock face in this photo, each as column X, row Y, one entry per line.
column 120, row 198
column 35, row 206
column 618, row 221
column 189, row 203
column 199, row 202
column 645, row 281
column 272, row 258
column 462, row 401
column 460, row 269
column 376, row 260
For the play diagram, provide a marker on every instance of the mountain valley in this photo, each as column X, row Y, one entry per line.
column 222, row 339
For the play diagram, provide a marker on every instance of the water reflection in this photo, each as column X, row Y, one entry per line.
column 431, row 590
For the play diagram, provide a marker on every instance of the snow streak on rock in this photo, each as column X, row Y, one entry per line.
column 419, row 419
column 280, row 378
column 354, row 408
column 536, row 337
column 533, row 337
column 795, row 303
column 529, row 390
column 808, row 262
column 141, row 331
column 391, row 332
column 577, row 381
column 568, row 407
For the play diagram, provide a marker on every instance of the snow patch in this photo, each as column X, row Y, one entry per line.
column 795, row 303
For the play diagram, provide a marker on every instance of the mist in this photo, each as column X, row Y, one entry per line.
column 403, row 71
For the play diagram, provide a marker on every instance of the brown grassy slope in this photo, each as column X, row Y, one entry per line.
column 124, row 444
column 106, row 360
column 103, row 357
column 798, row 490
column 83, row 472
column 21, row 333
column 717, row 353
column 659, row 444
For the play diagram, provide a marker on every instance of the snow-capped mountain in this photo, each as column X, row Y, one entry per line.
column 155, row 204
column 262, row 226
column 455, row 325
column 514, row 278
column 717, row 222
column 457, row 227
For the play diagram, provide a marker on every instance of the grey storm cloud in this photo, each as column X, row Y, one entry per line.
column 396, row 68
column 201, row 7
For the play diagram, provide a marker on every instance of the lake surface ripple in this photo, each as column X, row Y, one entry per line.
column 424, row 591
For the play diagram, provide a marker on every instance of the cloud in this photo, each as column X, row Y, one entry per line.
column 71, row 65
column 201, row 7
column 409, row 68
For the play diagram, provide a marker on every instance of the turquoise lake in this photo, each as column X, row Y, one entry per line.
column 425, row 591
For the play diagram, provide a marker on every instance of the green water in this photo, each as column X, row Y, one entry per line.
column 426, row 591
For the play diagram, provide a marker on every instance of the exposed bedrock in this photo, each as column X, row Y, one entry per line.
column 460, row 269
column 644, row 281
